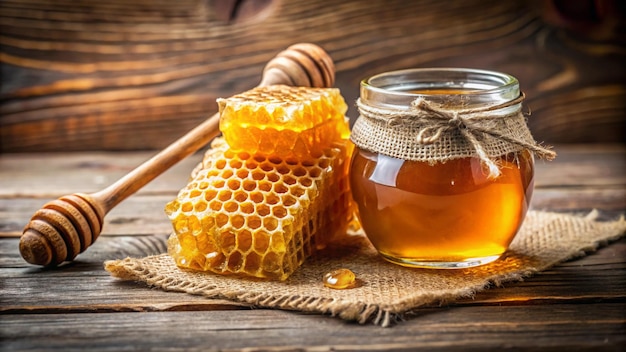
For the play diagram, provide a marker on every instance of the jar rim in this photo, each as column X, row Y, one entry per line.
column 400, row 87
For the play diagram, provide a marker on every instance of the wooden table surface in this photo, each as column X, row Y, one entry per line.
column 578, row 305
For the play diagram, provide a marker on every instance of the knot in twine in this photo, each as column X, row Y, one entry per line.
column 436, row 121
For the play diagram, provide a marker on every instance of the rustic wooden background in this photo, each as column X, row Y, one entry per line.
column 129, row 75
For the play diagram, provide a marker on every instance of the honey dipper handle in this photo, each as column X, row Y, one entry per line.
column 159, row 163
column 67, row 226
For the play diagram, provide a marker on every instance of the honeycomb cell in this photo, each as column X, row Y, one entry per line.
column 299, row 172
column 262, row 210
column 240, row 196
column 270, row 223
column 271, row 262
column 253, row 263
column 244, row 241
column 221, row 220
column 235, row 261
column 209, row 194
column 266, row 167
column 247, row 208
column 280, row 188
column 231, row 206
column 306, row 182
column 261, row 241
column 215, row 205
column 235, row 163
column 288, row 200
column 226, row 174
column 227, row 241
column 249, row 185
column 258, row 175
column 265, row 186
column 299, row 192
column 254, row 222
column 279, row 212
column 242, row 174
column 200, row 207
column 204, row 244
column 315, row 173
column 272, row 199
column 187, row 207
column 238, row 221
column 273, row 177
column 256, row 197
column 224, row 195
column 289, row 180
column 234, row 184
column 220, row 164
column 252, row 165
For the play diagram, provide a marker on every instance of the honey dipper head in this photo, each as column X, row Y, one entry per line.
column 60, row 230
column 304, row 64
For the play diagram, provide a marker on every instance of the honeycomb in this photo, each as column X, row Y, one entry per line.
column 286, row 121
column 272, row 191
column 259, row 216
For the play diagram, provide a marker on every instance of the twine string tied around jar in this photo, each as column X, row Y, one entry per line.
column 435, row 121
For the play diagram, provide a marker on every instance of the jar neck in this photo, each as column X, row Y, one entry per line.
column 452, row 88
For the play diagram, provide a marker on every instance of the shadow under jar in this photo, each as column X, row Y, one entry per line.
column 443, row 166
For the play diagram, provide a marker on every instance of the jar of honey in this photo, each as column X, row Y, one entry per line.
column 443, row 166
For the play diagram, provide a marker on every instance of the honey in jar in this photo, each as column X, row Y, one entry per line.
column 443, row 167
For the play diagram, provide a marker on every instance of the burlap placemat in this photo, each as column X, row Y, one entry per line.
column 385, row 291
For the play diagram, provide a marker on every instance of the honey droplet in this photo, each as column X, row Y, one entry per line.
column 340, row 279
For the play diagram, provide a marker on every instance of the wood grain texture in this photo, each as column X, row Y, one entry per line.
column 583, row 177
column 578, row 305
column 572, row 282
column 118, row 75
column 51, row 175
column 560, row 327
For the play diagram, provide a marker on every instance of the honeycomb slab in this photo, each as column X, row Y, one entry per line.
column 259, row 216
column 291, row 122
column 270, row 192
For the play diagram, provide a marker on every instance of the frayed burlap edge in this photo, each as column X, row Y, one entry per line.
column 385, row 291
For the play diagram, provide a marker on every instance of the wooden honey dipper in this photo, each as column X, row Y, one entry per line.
column 67, row 226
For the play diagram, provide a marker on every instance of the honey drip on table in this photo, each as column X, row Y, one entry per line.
column 340, row 279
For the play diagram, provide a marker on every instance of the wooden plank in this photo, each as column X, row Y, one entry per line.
column 578, row 327
column 583, row 165
column 581, row 178
column 579, row 199
column 138, row 215
column 52, row 175
column 577, row 305
column 87, row 76
column 143, row 214
column 85, row 286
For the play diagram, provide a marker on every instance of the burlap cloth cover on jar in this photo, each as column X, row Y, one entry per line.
column 435, row 133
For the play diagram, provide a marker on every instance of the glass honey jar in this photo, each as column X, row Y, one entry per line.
column 443, row 166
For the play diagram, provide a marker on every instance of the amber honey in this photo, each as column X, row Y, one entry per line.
column 413, row 212
column 442, row 173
